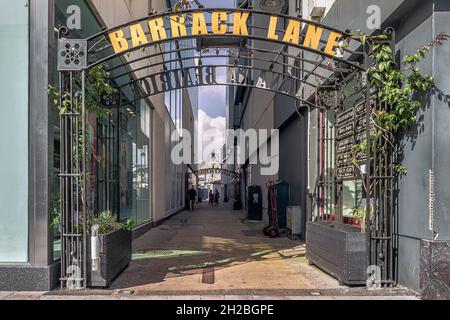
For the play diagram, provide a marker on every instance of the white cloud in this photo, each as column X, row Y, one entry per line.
column 211, row 134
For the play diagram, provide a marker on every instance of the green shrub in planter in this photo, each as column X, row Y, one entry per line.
column 115, row 248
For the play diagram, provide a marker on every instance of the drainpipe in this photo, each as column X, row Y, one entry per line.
column 308, row 144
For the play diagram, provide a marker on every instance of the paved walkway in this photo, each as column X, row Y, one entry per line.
column 217, row 246
column 173, row 257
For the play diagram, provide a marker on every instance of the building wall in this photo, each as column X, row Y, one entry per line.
column 425, row 147
column 167, row 177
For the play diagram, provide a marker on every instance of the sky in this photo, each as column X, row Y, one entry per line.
column 212, row 101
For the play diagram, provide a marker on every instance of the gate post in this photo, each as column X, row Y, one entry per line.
column 72, row 63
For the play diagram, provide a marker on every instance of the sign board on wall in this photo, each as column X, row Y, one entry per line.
column 351, row 129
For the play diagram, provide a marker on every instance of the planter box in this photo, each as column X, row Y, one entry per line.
column 339, row 250
column 115, row 256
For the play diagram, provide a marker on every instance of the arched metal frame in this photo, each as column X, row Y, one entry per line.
column 215, row 171
column 325, row 73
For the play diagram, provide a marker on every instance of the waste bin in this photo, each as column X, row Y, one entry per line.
column 282, row 199
column 282, row 196
column 255, row 210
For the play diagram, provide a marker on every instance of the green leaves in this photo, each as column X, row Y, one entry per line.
column 97, row 86
column 108, row 222
column 397, row 87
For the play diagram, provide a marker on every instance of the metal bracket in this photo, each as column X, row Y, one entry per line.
column 72, row 54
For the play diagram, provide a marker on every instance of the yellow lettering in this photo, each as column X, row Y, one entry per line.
column 199, row 23
column 118, row 41
column 177, row 25
column 219, row 20
column 157, row 29
column 292, row 34
column 332, row 43
column 312, row 38
column 240, row 23
column 272, row 32
column 138, row 37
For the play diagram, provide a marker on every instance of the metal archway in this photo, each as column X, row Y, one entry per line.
column 306, row 55
column 216, row 171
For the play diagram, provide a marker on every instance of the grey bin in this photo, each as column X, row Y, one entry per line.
column 115, row 256
column 339, row 250
column 255, row 207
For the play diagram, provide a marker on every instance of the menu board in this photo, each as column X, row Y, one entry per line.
column 351, row 129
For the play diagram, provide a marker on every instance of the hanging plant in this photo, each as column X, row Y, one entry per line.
column 401, row 89
column 97, row 86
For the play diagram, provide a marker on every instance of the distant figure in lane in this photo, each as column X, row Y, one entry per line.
column 217, row 197
column 211, row 198
column 192, row 195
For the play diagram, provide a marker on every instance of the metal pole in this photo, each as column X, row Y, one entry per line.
column 83, row 168
column 368, row 160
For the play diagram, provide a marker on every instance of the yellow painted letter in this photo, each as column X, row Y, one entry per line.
column 332, row 43
column 118, row 41
column 199, row 23
column 240, row 23
column 138, row 37
column 177, row 25
column 312, row 38
column 219, row 20
column 272, row 32
column 292, row 34
column 157, row 29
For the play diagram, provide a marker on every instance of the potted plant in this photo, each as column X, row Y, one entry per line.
column 109, row 249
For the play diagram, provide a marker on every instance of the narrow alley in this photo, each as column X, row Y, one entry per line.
column 215, row 251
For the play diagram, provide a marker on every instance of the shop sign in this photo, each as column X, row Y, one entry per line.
column 173, row 26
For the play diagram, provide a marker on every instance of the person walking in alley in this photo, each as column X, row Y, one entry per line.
column 211, row 198
column 217, row 197
column 192, row 194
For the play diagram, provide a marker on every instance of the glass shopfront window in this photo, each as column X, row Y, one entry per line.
column 14, row 131
column 118, row 146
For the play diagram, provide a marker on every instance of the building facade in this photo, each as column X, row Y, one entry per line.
column 421, row 216
column 129, row 150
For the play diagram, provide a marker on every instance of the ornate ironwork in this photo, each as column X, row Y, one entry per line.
column 216, row 171
column 76, row 57
column 72, row 54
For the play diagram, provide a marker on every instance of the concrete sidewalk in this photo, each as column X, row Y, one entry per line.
column 213, row 253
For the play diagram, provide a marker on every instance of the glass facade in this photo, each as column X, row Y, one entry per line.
column 176, row 101
column 118, row 150
column 14, row 48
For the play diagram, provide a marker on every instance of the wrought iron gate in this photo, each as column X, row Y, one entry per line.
column 333, row 64
column 349, row 150
column 73, row 181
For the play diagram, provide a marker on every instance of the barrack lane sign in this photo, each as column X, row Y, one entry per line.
column 178, row 25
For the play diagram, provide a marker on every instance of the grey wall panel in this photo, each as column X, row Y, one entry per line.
column 409, row 263
column 441, row 107
column 293, row 161
column 284, row 108
column 417, row 147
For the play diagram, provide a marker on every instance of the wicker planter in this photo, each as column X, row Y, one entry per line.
column 115, row 256
column 339, row 250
